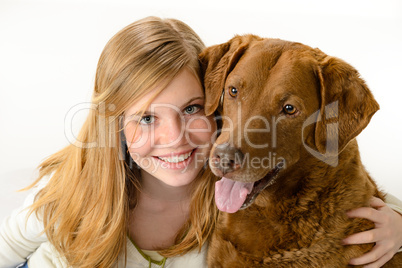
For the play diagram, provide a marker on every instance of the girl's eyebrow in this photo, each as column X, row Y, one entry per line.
column 192, row 99
column 147, row 112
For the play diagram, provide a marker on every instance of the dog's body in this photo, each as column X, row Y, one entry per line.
column 298, row 110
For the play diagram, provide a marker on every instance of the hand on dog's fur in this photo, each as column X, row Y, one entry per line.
column 387, row 233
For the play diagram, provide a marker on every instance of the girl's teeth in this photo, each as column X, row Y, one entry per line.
column 176, row 159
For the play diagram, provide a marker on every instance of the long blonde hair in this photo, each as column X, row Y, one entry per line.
column 85, row 204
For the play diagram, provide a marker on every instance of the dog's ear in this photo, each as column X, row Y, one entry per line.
column 217, row 62
column 347, row 106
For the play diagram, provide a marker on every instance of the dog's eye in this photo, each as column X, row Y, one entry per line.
column 233, row 92
column 289, row 109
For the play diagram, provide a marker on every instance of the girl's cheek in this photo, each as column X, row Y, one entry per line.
column 212, row 122
column 133, row 137
column 201, row 130
column 202, row 123
column 138, row 141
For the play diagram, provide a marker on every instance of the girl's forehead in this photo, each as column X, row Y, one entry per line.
column 184, row 88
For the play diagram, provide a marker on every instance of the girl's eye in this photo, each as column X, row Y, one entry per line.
column 289, row 109
column 148, row 119
column 192, row 109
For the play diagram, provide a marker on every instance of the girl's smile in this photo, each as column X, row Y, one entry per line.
column 176, row 160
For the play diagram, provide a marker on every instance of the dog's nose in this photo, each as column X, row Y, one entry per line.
column 227, row 158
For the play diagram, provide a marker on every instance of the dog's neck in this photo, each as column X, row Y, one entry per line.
column 320, row 177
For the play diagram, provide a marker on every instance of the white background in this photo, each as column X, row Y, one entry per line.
column 49, row 51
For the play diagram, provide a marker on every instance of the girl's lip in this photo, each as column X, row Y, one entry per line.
column 175, row 154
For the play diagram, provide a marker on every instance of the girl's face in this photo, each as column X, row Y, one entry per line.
column 172, row 139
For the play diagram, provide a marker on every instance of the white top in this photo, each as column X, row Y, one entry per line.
column 394, row 203
column 19, row 240
column 46, row 256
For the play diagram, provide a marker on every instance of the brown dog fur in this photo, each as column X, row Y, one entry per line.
column 300, row 220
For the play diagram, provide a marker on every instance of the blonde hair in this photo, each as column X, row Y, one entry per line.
column 85, row 204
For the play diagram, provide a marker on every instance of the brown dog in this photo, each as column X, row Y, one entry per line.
column 287, row 154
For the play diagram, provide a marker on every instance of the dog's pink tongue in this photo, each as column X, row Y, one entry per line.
column 230, row 195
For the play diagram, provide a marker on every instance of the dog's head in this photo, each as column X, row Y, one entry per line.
column 277, row 100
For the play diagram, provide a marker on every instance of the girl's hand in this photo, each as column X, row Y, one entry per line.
column 387, row 234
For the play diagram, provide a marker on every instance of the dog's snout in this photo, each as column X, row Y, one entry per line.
column 227, row 158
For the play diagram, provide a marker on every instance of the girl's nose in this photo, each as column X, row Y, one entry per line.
column 172, row 133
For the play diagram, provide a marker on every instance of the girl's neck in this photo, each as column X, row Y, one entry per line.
column 159, row 191
column 160, row 213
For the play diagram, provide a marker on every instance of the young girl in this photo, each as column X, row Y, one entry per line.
column 135, row 190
